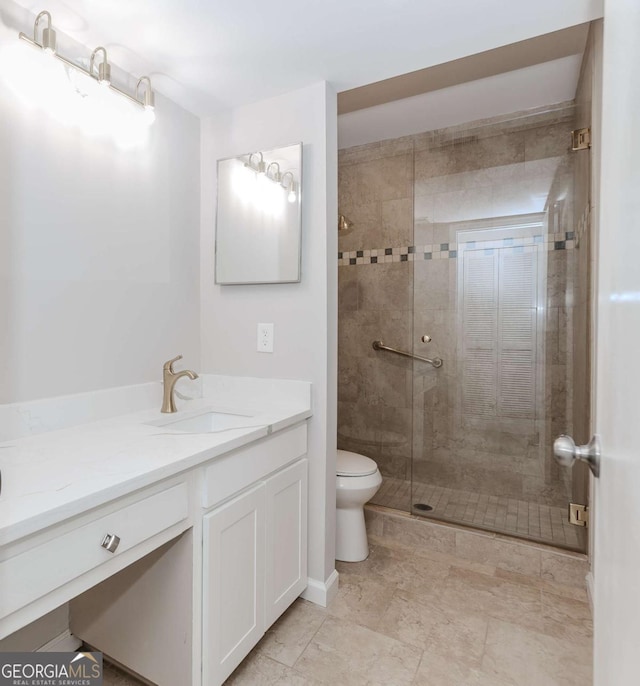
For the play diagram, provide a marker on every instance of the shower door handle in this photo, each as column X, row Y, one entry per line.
column 567, row 453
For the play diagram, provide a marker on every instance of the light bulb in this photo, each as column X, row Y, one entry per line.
column 291, row 196
column 149, row 115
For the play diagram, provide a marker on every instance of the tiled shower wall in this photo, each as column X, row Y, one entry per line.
column 398, row 279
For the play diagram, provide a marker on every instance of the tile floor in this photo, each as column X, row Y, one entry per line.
column 419, row 617
column 505, row 515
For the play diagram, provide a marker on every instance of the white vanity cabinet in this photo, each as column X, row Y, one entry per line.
column 233, row 583
column 286, row 539
column 254, row 555
column 180, row 577
column 222, row 583
column 74, row 555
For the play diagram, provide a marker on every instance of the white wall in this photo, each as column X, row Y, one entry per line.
column 98, row 250
column 617, row 534
column 304, row 314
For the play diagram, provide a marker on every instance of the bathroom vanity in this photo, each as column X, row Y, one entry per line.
column 177, row 539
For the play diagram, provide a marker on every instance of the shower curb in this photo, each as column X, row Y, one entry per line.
column 504, row 556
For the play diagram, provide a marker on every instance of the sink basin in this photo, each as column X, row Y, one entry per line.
column 207, row 422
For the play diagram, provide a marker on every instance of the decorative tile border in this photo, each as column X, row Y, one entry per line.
column 447, row 251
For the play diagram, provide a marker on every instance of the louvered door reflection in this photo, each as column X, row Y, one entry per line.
column 517, row 305
column 480, row 333
column 498, row 333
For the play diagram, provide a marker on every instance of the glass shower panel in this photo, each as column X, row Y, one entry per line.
column 494, row 290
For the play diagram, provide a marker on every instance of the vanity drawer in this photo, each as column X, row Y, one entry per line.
column 33, row 573
column 233, row 472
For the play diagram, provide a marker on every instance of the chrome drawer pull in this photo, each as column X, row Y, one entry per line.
column 110, row 542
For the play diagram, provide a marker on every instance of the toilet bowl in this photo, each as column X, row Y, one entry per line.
column 357, row 481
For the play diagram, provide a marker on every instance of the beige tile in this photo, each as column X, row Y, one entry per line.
column 259, row 670
column 361, row 599
column 438, row 670
column 389, row 178
column 547, row 141
column 366, row 217
column 493, row 597
column 528, row 658
column 415, row 532
column 374, row 522
column 385, row 287
column 112, row 676
column 405, row 568
column 425, row 622
column 351, row 655
column 570, row 592
column 347, row 290
column 512, row 557
column 566, row 617
column 564, row 569
column 288, row 638
column 397, row 222
column 426, row 553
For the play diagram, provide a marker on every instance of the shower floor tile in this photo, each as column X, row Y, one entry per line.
column 504, row 515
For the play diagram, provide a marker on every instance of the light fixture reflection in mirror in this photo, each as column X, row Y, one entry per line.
column 258, row 217
column 289, row 183
column 257, row 190
column 262, row 186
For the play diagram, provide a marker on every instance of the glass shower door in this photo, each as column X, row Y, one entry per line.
column 497, row 291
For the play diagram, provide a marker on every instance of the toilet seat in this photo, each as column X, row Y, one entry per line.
column 353, row 464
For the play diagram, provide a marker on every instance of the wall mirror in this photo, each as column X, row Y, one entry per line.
column 258, row 219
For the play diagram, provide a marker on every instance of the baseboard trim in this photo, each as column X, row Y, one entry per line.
column 321, row 593
column 590, row 580
column 66, row 642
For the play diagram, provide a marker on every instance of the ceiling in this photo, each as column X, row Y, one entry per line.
column 210, row 55
column 529, row 88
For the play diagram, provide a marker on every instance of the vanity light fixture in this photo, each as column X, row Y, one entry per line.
column 290, row 187
column 104, row 68
column 48, row 35
column 103, row 75
column 149, row 98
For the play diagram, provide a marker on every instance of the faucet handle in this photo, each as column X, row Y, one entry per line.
column 168, row 366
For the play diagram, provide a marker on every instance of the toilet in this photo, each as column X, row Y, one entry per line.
column 357, row 481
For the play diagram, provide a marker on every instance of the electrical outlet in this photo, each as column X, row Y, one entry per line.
column 265, row 338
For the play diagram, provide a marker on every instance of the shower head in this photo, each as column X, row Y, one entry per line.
column 343, row 223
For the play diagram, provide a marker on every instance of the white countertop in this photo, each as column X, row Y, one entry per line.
column 49, row 477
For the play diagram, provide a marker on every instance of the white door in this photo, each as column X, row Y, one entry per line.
column 233, row 584
column 617, row 419
column 286, row 539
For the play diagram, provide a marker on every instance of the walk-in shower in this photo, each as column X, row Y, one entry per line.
column 463, row 302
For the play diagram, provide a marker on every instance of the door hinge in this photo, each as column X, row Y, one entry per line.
column 581, row 139
column 578, row 514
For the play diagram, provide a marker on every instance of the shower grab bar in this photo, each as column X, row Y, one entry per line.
column 435, row 362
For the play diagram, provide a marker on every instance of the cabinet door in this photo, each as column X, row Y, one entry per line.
column 286, row 539
column 233, row 583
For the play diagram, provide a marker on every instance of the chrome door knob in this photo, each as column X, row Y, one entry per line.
column 426, row 338
column 567, row 452
column 110, row 542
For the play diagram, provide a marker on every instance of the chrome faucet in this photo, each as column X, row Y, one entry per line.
column 169, row 378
